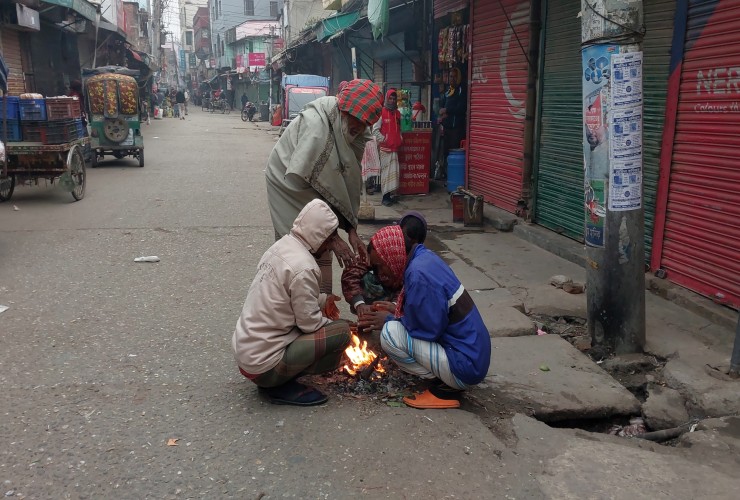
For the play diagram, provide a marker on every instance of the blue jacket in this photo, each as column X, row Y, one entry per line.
column 437, row 308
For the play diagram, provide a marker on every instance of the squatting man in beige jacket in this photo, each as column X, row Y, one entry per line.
column 283, row 331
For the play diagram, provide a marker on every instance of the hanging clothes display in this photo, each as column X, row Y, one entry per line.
column 452, row 45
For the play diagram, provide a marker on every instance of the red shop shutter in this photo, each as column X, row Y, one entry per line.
column 444, row 7
column 701, row 238
column 11, row 49
column 498, row 96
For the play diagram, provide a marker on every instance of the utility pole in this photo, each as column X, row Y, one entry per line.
column 611, row 52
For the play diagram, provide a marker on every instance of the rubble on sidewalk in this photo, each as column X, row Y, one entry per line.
column 664, row 408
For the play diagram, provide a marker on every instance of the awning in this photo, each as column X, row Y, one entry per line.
column 335, row 25
column 82, row 7
column 105, row 25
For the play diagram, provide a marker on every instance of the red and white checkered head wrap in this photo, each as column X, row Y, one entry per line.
column 391, row 248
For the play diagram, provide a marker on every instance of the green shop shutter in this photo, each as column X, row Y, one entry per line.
column 394, row 72
column 657, row 57
column 559, row 199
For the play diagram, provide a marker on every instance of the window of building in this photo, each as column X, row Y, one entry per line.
column 188, row 38
column 248, row 7
column 273, row 9
column 220, row 10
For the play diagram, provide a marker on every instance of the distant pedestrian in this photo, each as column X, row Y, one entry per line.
column 187, row 98
column 245, row 99
column 180, row 100
column 387, row 132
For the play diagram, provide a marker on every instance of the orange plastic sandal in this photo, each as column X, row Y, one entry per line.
column 427, row 400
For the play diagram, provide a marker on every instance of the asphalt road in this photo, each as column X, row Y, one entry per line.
column 104, row 360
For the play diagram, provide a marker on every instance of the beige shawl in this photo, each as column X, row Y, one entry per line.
column 312, row 160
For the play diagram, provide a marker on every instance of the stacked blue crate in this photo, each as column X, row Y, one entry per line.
column 11, row 116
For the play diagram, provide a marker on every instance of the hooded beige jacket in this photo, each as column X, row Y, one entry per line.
column 284, row 300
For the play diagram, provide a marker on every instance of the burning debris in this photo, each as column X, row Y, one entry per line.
column 367, row 372
column 361, row 360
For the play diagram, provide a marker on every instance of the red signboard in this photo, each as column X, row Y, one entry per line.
column 415, row 157
column 257, row 59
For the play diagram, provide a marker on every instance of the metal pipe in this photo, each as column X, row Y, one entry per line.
column 735, row 360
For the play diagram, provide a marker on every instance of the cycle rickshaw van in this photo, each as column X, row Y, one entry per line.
column 114, row 113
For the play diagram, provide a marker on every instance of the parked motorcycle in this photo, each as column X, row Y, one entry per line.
column 249, row 111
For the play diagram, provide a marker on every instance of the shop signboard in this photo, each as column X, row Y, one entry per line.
column 257, row 59
column 415, row 157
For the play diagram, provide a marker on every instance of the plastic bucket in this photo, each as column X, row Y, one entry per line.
column 458, row 207
column 455, row 169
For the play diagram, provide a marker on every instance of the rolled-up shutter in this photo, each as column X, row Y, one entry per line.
column 394, row 71
column 444, row 7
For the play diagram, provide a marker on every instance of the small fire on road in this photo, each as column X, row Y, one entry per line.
column 362, row 360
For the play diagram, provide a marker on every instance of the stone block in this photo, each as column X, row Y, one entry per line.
column 574, row 387
column 664, row 408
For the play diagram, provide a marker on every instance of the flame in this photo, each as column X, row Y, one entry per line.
column 360, row 356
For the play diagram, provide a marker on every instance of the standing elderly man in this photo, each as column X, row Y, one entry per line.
column 318, row 157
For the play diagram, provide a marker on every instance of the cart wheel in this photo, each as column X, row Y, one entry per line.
column 76, row 168
column 7, row 186
column 141, row 158
column 244, row 115
column 94, row 161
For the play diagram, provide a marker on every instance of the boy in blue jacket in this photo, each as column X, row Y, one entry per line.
column 436, row 331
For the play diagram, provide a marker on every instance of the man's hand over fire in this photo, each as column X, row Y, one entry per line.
column 374, row 320
column 384, row 305
column 330, row 309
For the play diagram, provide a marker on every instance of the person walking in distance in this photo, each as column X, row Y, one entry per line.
column 180, row 101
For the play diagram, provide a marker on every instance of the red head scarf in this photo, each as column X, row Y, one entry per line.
column 389, row 244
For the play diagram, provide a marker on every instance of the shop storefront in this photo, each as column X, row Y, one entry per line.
column 500, row 73
column 559, row 198
column 697, row 227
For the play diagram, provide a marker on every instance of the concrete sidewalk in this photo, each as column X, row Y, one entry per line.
column 508, row 273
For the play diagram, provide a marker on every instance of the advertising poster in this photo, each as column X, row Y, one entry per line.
column 625, row 152
column 595, row 213
column 627, row 79
column 597, row 69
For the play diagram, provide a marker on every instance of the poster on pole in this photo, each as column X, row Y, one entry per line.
column 596, row 66
column 626, row 80
column 625, row 129
column 625, row 184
